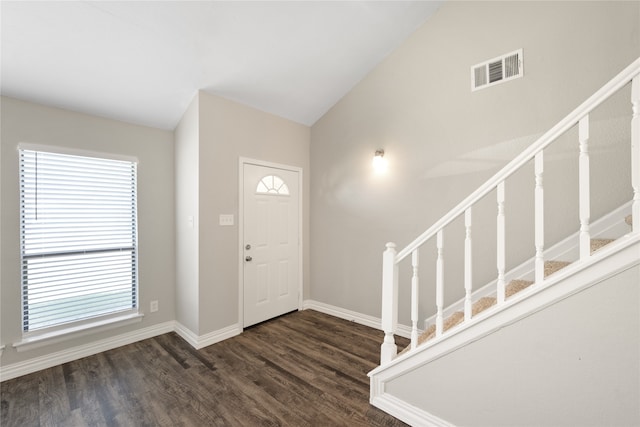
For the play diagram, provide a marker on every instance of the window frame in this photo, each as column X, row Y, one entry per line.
column 93, row 321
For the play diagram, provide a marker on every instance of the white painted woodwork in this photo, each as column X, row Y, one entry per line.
column 525, row 156
column 439, row 283
column 584, row 187
column 388, row 349
column 554, row 290
column 539, row 217
column 579, row 117
column 414, row 298
column 608, row 226
column 271, row 252
column 635, row 154
column 501, row 243
column 468, row 265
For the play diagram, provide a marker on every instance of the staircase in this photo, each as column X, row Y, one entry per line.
column 598, row 251
column 514, row 286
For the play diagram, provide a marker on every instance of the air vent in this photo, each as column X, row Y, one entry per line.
column 498, row 70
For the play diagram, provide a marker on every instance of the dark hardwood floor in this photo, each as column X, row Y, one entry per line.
column 301, row 369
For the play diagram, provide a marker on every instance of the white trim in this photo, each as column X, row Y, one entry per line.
column 18, row 369
column 353, row 316
column 47, row 361
column 406, row 412
column 61, row 335
column 609, row 261
column 198, row 342
column 622, row 79
column 241, row 162
column 612, row 226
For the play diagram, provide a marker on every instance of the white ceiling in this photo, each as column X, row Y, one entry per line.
column 143, row 61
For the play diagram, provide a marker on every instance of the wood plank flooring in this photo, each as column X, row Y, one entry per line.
column 301, row 369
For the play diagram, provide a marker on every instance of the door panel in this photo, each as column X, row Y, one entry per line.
column 271, row 238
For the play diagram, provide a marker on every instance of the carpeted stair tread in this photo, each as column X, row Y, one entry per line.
column 429, row 333
column 516, row 286
column 453, row 320
column 448, row 323
column 599, row 244
column 551, row 267
column 511, row 289
column 481, row 305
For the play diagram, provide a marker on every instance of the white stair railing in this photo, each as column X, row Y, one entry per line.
column 539, row 218
column 635, row 154
column 583, row 183
column 579, row 117
column 468, row 276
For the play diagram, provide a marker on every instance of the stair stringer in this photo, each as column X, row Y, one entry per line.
column 610, row 226
column 616, row 257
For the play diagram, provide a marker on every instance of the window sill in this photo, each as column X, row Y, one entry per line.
column 41, row 340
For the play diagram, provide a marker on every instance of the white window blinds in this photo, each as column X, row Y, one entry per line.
column 78, row 236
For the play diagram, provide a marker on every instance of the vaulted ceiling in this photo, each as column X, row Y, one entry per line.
column 143, row 61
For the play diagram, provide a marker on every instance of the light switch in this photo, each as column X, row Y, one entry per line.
column 226, row 219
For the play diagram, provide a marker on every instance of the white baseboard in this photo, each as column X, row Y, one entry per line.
column 199, row 342
column 18, row 369
column 43, row 362
column 353, row 316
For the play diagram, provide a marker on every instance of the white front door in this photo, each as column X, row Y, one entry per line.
column 271, row 239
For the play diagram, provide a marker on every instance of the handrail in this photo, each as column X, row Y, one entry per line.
column 578, row 117
column 615, row 84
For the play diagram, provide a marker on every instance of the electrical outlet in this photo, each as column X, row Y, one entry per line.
column 153, row 307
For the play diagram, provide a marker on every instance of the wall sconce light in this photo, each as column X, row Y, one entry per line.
column 379, row 162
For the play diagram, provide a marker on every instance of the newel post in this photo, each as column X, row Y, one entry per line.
column 388, row 349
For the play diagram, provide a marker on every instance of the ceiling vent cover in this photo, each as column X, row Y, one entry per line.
column 497, row 70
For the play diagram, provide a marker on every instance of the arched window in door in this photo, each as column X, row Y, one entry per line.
column 272, row 184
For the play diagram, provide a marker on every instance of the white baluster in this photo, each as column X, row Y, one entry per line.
column 439, row 284
column 539, row 218
column 388, row 349
column 635, row 154
column 583, row 184
column 468, row 277
column 501, row 243
column 414, row 300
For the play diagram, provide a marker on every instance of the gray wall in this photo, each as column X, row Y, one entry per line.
column 225, row 132
column 442, row 141
column 31, row 123
column 576, row 363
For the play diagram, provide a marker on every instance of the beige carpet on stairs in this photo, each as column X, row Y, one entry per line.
column 511, row 289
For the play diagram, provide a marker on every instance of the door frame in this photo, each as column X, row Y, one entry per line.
column 241, row 162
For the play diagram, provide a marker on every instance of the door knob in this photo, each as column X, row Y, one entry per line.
column 248, row 258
